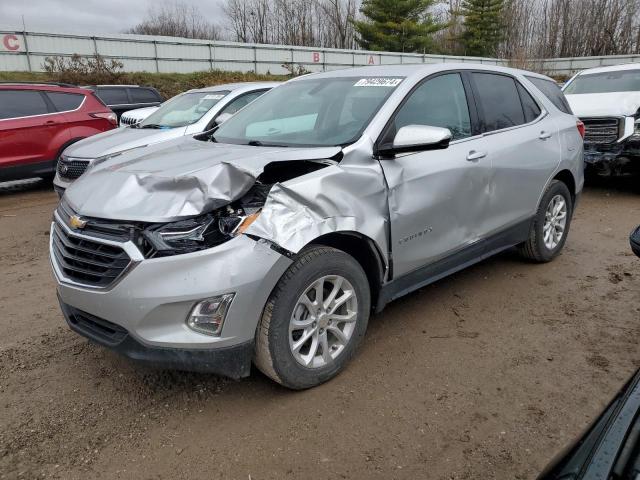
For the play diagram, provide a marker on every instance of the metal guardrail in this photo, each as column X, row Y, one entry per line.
column 26, row 51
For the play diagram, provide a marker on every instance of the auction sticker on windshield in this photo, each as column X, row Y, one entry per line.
column 213, row 97
column 378, row 82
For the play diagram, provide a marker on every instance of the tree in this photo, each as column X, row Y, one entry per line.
column 176, row 19
column 483, row 26
column 397, row 25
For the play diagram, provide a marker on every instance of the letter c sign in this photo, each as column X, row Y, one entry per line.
column 10, row 42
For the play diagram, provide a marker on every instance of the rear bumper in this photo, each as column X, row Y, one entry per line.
column 233, row 361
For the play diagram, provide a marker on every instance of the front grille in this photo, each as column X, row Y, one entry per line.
column 88, row 262
column 128, row 120
column 72, row 169
column 95, row 328
column 601, row 131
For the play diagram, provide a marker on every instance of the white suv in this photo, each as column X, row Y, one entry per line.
column 607, row 100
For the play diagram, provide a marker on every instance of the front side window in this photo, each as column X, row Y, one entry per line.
column 313, row 112
column 439, row 102
column 607, row 82
column 241, row 102
column 500, row 101
column 21, row 103
column 183, row 110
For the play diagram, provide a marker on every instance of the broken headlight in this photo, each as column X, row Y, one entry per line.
column 199, row 233
column 185, row 236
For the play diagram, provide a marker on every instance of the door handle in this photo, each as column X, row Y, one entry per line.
column 50, row 122
column 474, row 156
column 544, row 135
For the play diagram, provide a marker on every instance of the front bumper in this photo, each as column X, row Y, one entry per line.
column 617, row 159
column 233, row 362
column 153, row 299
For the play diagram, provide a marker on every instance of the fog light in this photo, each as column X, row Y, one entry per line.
column 208, row 315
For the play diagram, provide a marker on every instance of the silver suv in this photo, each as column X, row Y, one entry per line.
column 274, row 238
column 191, row 112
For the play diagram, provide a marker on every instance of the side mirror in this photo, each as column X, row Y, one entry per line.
column 418, row 138
column 634, row 239
column 223, row 117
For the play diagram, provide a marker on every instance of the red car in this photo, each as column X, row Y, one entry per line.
column 38, row 121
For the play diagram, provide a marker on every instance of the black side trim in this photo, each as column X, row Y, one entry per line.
column 46, row 168
column 233, row 362
column 453, row 263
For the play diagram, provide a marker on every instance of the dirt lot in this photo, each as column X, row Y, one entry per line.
column 486, row 374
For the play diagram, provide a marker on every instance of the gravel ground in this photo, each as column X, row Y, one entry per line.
column 486, row 374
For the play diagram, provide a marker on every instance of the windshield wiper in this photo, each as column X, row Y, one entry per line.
column 258, row 143
column 152, row 125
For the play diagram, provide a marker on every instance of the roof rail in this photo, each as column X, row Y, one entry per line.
column 55, row 84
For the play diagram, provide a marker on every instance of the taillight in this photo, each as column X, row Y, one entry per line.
column 110, row 116
column 580, row 126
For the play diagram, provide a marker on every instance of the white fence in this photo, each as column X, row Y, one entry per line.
column 26, row 51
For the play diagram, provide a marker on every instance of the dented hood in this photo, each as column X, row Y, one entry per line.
column 614, row 104
column 177, row 179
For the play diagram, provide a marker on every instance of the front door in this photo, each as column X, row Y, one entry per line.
column 437, row 199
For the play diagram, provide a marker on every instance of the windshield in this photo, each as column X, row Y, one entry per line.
column 183, row 110
column 315, row 112
column 621, row 81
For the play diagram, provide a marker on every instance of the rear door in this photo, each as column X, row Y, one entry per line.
column 521, row 142
column 28, row 124
column 436, row 198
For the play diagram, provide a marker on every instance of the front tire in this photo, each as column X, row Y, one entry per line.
column 314, row 319
column 550, row 226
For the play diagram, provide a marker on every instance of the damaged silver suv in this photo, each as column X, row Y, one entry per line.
column 273, row 238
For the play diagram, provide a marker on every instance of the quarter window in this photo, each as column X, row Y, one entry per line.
column 531, row 108
column 500, row 101
column 21, row 103
column 438, row 102
column 143, row 95
column 553, row 93
column 65, row 102
column 113, row 96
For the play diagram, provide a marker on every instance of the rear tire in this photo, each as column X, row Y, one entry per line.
column 550, row 226
column 314, row 319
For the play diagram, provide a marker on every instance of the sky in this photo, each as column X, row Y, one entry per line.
column 87, row 16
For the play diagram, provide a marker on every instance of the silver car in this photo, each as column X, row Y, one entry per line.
column 273, row 238
column 192, row 112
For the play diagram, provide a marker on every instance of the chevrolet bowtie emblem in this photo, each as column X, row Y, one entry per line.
column 77, row 222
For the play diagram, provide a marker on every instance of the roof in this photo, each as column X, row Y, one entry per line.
column 418, row 69
column 236, row 86
column 611, row 68
column 43, row 86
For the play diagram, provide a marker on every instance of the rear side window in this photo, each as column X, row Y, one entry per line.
column 113, row 96
column 498, row 95
column 143, row 95
column 65, row 101
column 553, row 93
column 438, row 102
column 21, row 103
column 531, row 108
